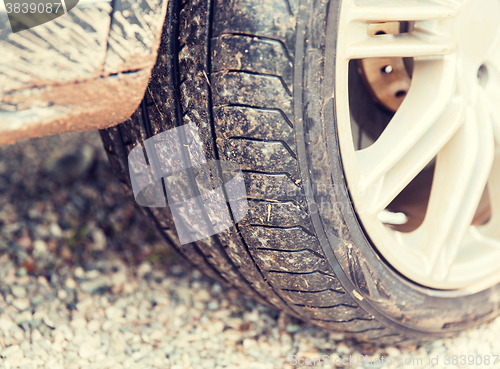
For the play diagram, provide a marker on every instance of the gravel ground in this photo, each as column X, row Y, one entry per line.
column 85, row 282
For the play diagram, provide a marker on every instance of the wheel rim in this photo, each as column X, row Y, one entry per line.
column 451, row 113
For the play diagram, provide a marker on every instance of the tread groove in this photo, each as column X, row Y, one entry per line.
column 265, row 140
column 277, row 227
column 258, row 107
column 327, row 307
column 343, row 321
column 325, row 290
column 315, row 253
column 243, row 71
column 288, row 55
column 271, row 174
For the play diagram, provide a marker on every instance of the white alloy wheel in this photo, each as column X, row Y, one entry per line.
column 451, row 113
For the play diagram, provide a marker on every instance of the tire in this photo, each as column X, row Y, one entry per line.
column 255, row 76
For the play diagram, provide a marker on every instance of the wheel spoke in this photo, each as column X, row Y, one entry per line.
column 397, row 10
column 462, row 171
column 426, row 120
column 398, row 177
column 401, row 45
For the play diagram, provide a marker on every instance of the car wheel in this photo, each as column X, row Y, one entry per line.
column 390, row 237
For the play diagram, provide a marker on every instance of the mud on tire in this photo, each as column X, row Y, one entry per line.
column 252, row 75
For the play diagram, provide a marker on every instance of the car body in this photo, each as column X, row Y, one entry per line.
column 87, row 69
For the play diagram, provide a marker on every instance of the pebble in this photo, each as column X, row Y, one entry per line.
column 18, row 291
column 114, row 313
column 99, row 238
column 94, row 325
column 144, row 269
column 393, row 351
column 40, row 246
column 70, row 283
column 95, row 285
column 86, row 350
column 49, row 322
column 92, row 274
column 10, row 351
column 79, row 272
column 21, row 303
column 55, row 230
column 79, row 323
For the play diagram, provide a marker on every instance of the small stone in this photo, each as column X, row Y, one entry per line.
column 94, row 325
column 91, row 274
column 393, row 351
column 144, row 269
column 25, row 242
column 86, row 350
column 21, row 272
column 216, row 327
column 24, row 316
column 131, row 312
column 78, row 323
column 196, row 274
column 107, row 325
column 79, row 272
column 21, row 303
column 99, row 240
column 203, row 295
column 128, row 288
column 118, row 279
column 6, row 323
column 292, row 328
column 40, row 247
column 113, row 313
column 84, row 304
column 58, row 336
column 48, row 322
column 213, row 305
column 216, row 289
column 97, row 285
column 70, row 283
column 43, row 281
column 55, row 230
column 158, row 335
column 249, row 344
column 233, row 335
column 37, row 300
column 66, row 253
column 25, row 346
column 11, row 350
column 62, row 294
column 68, row 333
column 18, row 291
column 23, row 281
column 35, row 335
column 343, row 349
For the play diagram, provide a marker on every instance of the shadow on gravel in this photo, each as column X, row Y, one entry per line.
column 60, row 204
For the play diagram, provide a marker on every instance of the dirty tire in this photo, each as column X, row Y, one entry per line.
column 256, row 78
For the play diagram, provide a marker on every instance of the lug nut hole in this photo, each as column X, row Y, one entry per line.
column 387, row 69
column 400, row 93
